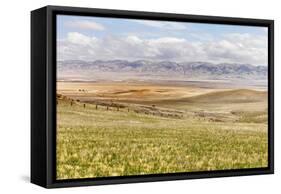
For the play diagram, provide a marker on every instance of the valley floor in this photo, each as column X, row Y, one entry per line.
column 136, row 130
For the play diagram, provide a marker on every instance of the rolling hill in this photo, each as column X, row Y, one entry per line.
column 231, row 96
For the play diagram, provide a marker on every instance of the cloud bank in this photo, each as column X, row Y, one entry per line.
column 232, row 48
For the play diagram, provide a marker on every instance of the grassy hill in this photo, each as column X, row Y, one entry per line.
column 96, row 142
column 228, row 96
column 231, row 96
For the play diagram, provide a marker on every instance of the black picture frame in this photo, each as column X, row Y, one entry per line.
column 43, row 95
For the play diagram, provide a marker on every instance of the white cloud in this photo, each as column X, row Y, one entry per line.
column 167, row 40
column 232, row 48
column 238, row 47
column 77, row 38
column 85, row 25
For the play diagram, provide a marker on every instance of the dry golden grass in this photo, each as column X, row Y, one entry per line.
column 96, row 142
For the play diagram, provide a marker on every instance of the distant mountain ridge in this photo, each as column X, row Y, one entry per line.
column 162, row 69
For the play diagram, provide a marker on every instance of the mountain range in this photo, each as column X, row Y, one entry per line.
column 145, row 69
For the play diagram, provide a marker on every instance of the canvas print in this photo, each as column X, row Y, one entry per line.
column 142, row 97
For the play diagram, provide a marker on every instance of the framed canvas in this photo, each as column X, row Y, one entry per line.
column 126, row 96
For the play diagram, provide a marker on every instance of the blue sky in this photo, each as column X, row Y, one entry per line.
column 122, row 27
column 215, row 43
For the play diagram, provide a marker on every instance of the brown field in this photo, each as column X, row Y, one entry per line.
column 187, row 99
column 130, row 128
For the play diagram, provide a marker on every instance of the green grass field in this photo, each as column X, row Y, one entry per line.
column 98, row 142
